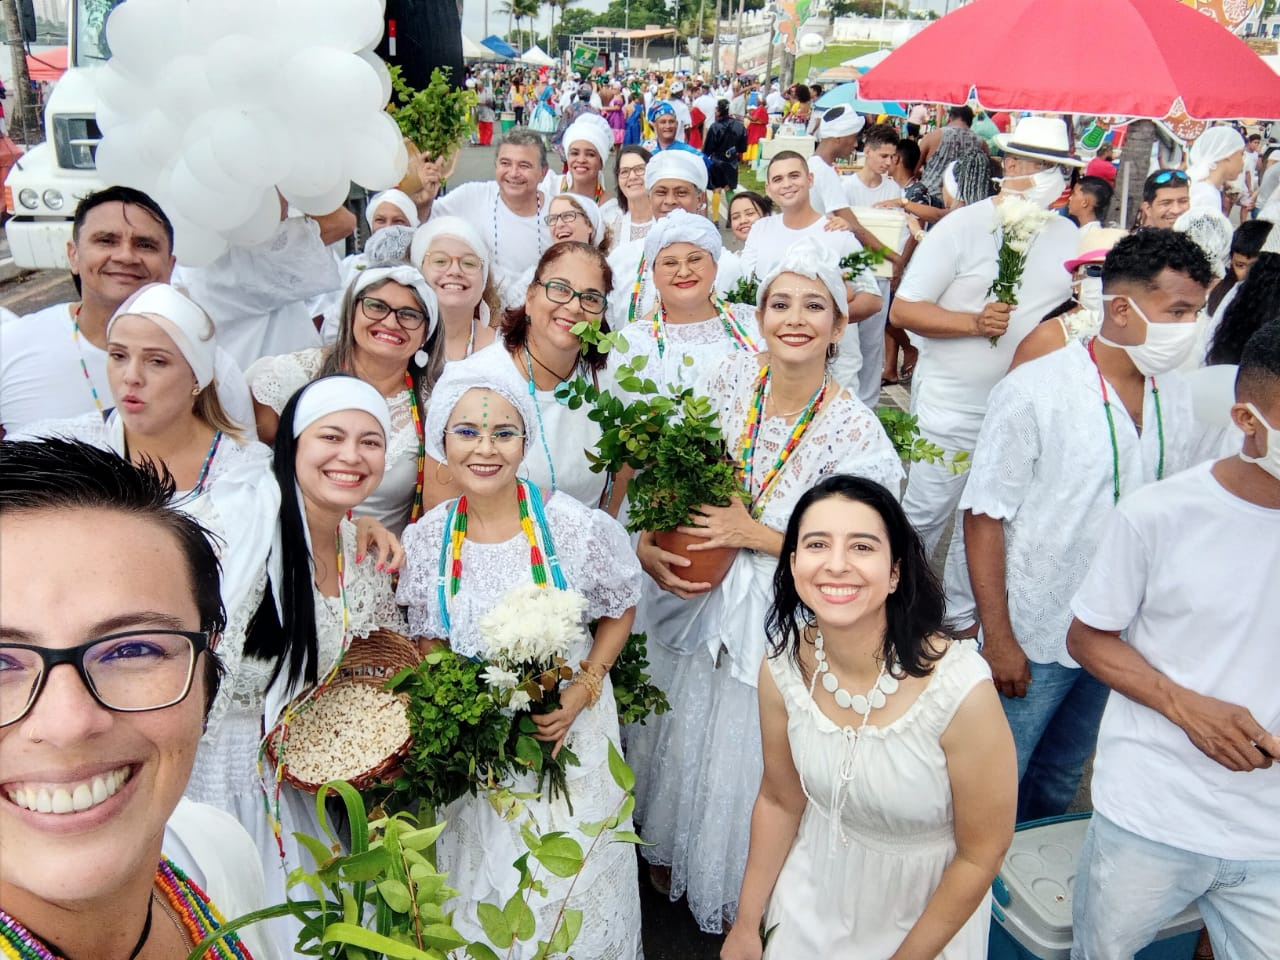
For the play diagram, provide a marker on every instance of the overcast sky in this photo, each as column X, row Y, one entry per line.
column 473, row 17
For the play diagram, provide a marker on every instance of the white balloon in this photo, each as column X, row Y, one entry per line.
column 210, row 20
column 203, row 163
column 213, row 210
column 158, row 137
column 250, row 144
column 375, row 153
column 193, row 245
column 118, row 93
column 320, row 204
column 242, row 69
column 121, row 162
column 811, row 43
column 347, row 25
column 316, row 163
column 380, row 68
column 183, row 90
column 324, row 85
column 144, row 35
column 261, row 225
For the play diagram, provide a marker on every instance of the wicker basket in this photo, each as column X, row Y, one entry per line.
column 372, row 661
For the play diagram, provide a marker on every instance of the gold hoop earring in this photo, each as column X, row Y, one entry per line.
column 448, row 478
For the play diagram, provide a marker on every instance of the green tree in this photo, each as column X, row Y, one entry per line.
column 866, row 8
column 577, row 21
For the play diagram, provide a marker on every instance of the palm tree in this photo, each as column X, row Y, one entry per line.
column 562, row 6
column 528, row 9
column 509, row 8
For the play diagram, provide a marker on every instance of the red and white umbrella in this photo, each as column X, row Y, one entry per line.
column 1135, row 58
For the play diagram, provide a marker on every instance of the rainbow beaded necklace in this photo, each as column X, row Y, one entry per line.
column 191, row 905
column 1111, row 427
column 747, row 447
column 422, row 442
column 733, row 327
column 598, row 196
column 635, row 290
column 533, row 523
column 84, row 367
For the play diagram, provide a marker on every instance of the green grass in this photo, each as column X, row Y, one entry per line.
column 831, row 57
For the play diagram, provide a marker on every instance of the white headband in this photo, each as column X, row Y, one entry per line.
column 406, row 276
column 809, row 259
column 486, row 370
column 319, row 398
column 449, row 227
column 188, row 326
column 676, row 164
column 398, row 199
column 840, row 121
column 681, row 226
column 592, row 210
column 599, row 135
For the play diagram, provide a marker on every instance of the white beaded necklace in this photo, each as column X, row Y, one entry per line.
column 862, row 704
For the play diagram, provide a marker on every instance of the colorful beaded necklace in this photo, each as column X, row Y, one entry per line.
column 208, row 462
column 191, row 905
column 747, row 448
column 422, row 442
column 635, row 290
column 1111, row 428
column 733, row 327
column 598, row 195
column 533, row 523
column 84, row 367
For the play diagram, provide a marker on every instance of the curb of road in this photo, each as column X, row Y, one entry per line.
column 10, row 270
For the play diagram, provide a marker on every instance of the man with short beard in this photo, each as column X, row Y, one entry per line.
column 508, row 209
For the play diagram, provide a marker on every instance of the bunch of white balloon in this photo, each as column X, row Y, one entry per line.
column 210, row 106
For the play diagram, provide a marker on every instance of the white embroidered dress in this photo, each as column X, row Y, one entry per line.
column 855, row 888
column 697, row 800
column 479, row 847
column 273, row 380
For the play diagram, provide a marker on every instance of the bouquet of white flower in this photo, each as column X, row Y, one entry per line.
column 1018, row 223
column 528, row 638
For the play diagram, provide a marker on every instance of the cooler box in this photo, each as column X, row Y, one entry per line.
column 506, row 120
column 890, row 228
column 1031, row 898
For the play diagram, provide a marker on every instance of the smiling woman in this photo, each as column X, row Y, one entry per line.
column 108, row 674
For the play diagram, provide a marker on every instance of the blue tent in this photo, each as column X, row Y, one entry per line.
column 500, row 46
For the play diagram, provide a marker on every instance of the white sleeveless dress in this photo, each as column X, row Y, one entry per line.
column 871, row 850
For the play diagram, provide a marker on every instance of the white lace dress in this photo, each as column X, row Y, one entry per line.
column 226, row 769
column 273, row 380
column 479, row 847
column 854, row 885
column 701, row 779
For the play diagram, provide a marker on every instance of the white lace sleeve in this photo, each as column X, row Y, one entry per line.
column 273, row 380
column 293, row 264
column 417, row 589
column 371, row 603
column 596, row 555
column 1004, row 460
column 88, row 428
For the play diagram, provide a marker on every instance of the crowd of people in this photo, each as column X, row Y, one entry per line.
column 236, row 470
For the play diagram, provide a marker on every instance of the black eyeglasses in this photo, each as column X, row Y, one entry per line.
column 129, row 672
column 407, row 317
column 593, row 301
column 1167, row 176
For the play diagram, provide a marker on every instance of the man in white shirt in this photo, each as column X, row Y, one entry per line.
column 507, row 209
column 1178, row 615
column 837, row 137
column 1047, row 470
column 705, row 101
column 775, row 104
column 966, row 342
column 789, row 183
column 684, row 120
column 866, row 188
column 53, row 363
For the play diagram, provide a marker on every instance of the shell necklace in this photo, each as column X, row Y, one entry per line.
column 860, row 703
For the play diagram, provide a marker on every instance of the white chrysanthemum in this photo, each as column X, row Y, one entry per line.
column 499, row 678
column 519, row 700
column 533, row 625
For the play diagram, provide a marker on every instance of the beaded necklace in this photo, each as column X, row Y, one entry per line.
column 533, row 524
column 747, row 448
column 597, row 196
column 271, row 797
column 195, row 912
column 471, row 338
column 208, row 462
column 497, row 197
column 635, row 291
column 84, row 367
column 537, row 412
column 733, row 327
column 1111, row 428
column 422, row 443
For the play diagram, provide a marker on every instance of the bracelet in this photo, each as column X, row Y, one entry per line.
column 588, row 664
column 585, row 678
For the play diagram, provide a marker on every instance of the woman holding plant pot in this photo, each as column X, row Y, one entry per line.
column 788, row 424
column 505, row 533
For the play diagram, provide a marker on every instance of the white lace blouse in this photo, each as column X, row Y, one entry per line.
column 691, row 350
column 273, row 380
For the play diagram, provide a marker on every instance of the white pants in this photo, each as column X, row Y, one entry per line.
column 871, row 345
column 931, row 498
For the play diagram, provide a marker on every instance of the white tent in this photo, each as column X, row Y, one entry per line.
column 475, row 51
column 538, row 57
column 867, row 60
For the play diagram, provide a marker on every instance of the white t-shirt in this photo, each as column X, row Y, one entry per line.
column 770, row 239
column 826, row 195
column 707, row 104
column 775, row 102
column 1188, row 571
column 1205, row 196
column 953, row 268
column 858, row 194
column 684, row 118
column 41, row 377
column 517, row 243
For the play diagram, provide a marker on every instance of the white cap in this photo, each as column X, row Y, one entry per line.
column 398, row 199
column 486, row 370
column 676, row 164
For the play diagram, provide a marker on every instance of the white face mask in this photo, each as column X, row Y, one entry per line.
column 1046, row 187
column 1089, row 294
column 1166, row 347
column 1269, row 461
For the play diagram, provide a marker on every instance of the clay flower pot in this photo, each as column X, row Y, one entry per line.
column 705, row 566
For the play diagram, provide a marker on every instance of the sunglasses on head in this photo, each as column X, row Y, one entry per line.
column 1167, row 176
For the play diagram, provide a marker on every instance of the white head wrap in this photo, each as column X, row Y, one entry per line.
column 840, row 121
column 449, row 227
column 406, row 276
column 681, row 226
column 188, row 326
column 486, row 370
column 398, row 199
column 1212, row 233
column 592, row 210
column 585, row 128
column 1212, row 146
column 676, row 164
column 319, row 398
column 809, row 259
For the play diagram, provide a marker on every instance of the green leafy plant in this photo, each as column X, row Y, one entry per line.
column 436, row 119
column 745, row 290
column 904, row 430
column 852, row 264
column 637, row 698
